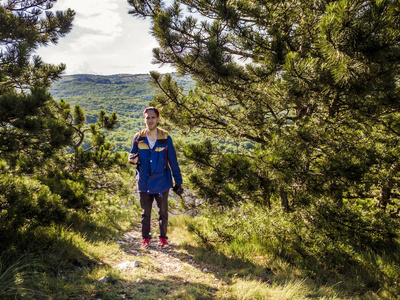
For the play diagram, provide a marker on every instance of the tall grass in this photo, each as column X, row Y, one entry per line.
column 296, row 249
column 247, row 289
column 60, row 261
column 17, row 277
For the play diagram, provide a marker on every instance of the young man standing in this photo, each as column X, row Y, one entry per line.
column 155, row 156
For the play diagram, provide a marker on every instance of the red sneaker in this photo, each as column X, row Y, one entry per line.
column 145, row 243
column 163, row 243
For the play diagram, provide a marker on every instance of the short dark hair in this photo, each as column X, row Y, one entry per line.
column 153, row 109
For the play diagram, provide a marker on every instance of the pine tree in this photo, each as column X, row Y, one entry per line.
column 31, row 128
column 314, row 84
column 24, row 26
column 99, row 151
column 28, row 115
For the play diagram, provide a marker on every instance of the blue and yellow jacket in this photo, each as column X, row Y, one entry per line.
column 153, row 171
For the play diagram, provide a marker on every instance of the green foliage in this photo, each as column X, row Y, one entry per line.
column 57, row 182
column 63, row 261
column 99, row 151
column 16, row 277
column 51, row 200
column 26, row 204
column 325, row 244
column 117, row 212
column 226, row 180
column 78, row 117
column 31, row 131
column 30, row 126
column 315, row 92
column 24, row 27
column 72, row 189
column 315, row 87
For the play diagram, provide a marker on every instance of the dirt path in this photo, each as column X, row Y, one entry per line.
column 170, row 273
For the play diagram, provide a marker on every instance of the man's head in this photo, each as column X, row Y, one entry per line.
column 151, row 117
column 151, row 108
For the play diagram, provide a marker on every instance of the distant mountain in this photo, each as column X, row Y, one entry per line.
column 125, row 94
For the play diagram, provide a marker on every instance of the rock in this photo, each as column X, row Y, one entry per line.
column 103, row 279
column 133, row 252
column 128, row 237
column 128, row 265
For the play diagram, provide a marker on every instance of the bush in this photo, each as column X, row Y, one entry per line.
column 72, row 189
column 26, row 204
column 324, row 242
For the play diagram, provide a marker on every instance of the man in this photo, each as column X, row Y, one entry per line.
column 155, row 156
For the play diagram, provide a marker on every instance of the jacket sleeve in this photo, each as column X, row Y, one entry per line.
column 134, row 148
column 173, row 162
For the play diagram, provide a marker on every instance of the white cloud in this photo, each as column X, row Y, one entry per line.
column 105, row 39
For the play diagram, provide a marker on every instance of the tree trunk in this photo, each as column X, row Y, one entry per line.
column 338, row 197
column 284, row 200
column 387, row 186
column 386, row 192
column 336, row 193
column 267, row 199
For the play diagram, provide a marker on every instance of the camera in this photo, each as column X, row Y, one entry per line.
column 133, row 156
column 178, row 189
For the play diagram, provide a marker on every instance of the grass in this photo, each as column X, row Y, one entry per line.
column 72, row 263
column 244, row 279
column 256, row 239
column 17, row 277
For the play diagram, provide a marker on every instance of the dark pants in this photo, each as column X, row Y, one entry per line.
column 146, row 202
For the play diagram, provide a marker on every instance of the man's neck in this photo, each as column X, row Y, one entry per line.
column 152, row 134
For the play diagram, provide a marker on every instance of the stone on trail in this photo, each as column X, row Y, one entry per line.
column 128, row 265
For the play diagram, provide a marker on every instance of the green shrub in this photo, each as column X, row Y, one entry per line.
column 324, row 242
column 25, row 204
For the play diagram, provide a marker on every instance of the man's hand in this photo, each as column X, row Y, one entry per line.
column 133, row 158
column 178, row 189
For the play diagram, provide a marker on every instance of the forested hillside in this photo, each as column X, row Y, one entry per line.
column 125, row 94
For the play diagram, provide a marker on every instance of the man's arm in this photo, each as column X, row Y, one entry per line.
column 133, row 155
column 173, row 162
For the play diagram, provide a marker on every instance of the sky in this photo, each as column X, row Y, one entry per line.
column 104, row 40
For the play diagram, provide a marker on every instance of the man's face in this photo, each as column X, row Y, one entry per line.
column 151, row 120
